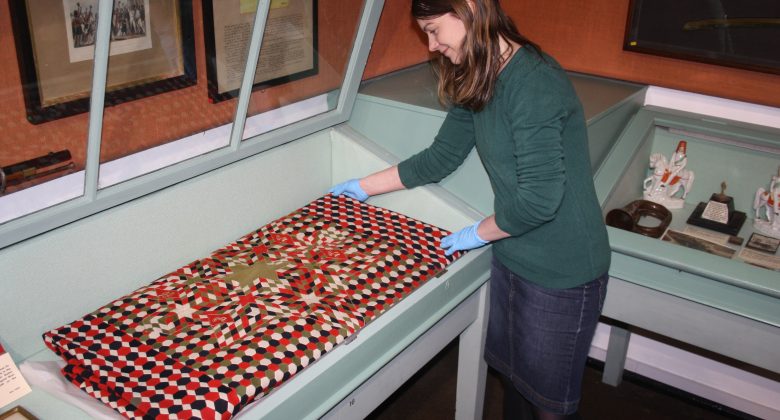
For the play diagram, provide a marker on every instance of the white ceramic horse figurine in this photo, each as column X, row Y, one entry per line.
column 769, row 201
column 667, row 180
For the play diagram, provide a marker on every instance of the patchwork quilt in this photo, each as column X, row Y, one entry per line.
column 222, row 331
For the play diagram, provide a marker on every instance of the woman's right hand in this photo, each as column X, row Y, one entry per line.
column 351, row 189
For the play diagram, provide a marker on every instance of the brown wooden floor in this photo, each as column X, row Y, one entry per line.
column 430, row 395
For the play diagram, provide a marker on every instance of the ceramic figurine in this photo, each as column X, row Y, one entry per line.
column 767, row 206
column 668, row 178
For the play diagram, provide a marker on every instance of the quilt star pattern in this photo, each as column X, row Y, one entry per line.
column 222, row 331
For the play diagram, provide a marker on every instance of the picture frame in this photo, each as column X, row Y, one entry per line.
column 700, row 244
column 55, row 47
column 288, row 53
column 763, row 243
column 17, row 413
column 735, row 34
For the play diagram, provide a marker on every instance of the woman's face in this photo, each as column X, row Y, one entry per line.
column 445, row 35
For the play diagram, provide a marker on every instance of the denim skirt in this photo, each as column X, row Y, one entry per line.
column 539, row 337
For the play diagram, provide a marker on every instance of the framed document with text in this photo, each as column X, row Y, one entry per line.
column 289, row 49
column 152, row 51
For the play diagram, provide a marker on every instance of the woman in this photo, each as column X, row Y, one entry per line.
column 550, row 247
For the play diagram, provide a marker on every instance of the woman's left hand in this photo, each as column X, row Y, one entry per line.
column 351, row 189
column 463, row 240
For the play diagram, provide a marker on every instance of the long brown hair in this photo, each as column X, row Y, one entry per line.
column 471, row 83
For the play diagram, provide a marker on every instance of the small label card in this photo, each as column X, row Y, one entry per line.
column 717, row 212
column 760, row 259
column 706, row 234
column 12, row 383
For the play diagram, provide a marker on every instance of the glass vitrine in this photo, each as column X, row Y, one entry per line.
column 145, row 94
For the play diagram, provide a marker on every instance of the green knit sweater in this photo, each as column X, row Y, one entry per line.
column 532, row 140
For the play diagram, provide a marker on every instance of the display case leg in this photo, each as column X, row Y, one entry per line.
column 472, row 369
column 616, row 356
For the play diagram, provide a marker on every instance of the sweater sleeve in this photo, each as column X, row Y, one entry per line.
column 538, row 119
column 448, row 151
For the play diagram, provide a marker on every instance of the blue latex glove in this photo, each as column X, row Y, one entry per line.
column 351, row 189
column 462, row 240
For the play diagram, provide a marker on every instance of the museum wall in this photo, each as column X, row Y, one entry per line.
column 585, row 37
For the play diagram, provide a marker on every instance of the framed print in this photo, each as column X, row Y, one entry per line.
column 17, row 413
column 152, row 51
column 763, row 243
column 289, row 50
column 689, row 241
column 734, row 33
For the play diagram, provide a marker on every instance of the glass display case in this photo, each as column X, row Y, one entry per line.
column 701, row 289
column 178, row 89
column 172, row 176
